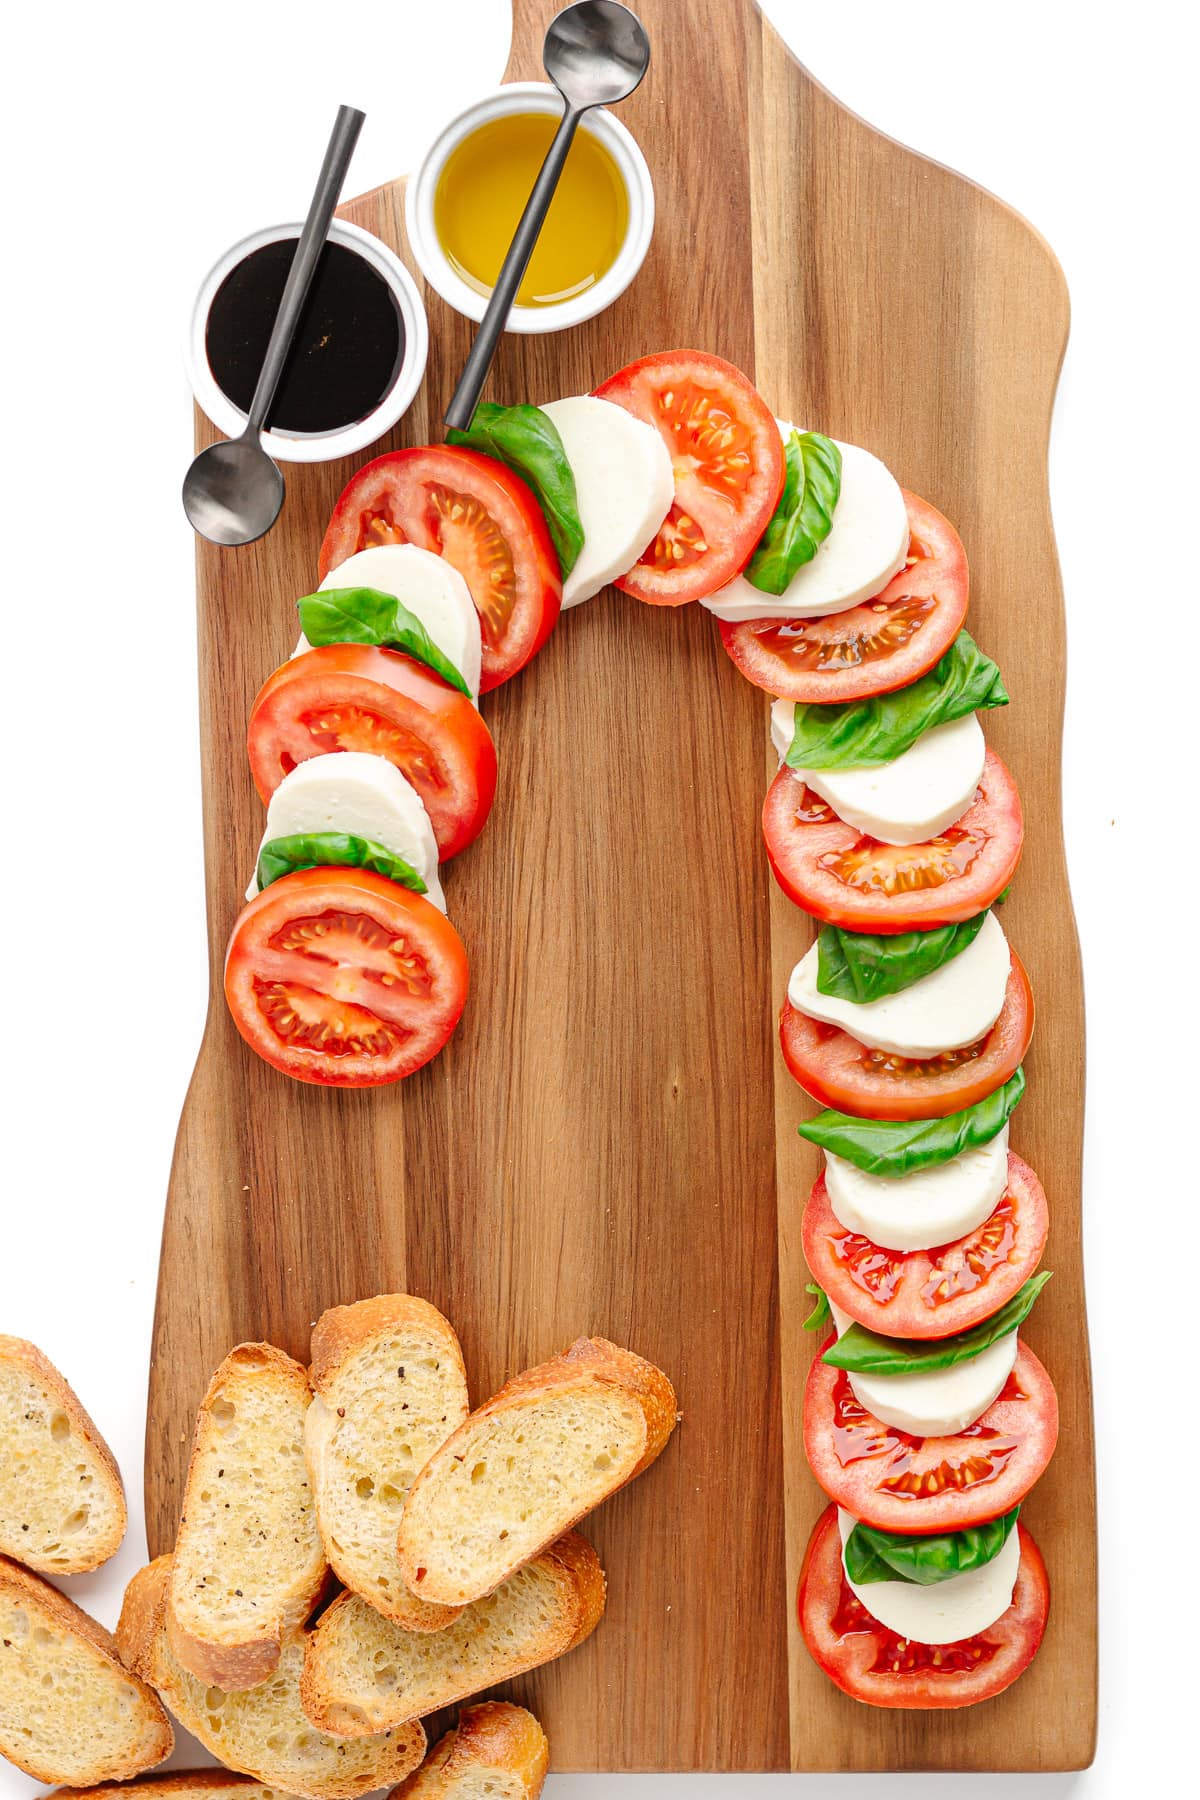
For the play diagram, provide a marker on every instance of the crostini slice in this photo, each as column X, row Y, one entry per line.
column 497, row 1750
column 177, row 1784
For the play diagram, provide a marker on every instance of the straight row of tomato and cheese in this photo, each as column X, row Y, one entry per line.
column 443, row 571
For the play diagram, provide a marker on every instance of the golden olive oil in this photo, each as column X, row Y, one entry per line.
column 481, row 194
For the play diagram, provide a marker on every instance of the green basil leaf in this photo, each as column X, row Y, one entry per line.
column 332, row 849
column 363, row 615
column 803, row 518
column 820, row 1314
column 859, row 966
column 865, row 1352
column 872, row 1555
column 863, row 734
column 1002, row 897
column 890, row 1147
column 526, row 439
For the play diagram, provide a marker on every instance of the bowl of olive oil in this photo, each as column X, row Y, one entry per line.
column 466, row 197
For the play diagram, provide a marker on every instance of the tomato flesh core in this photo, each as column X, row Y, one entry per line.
column 903, row 1656
column 358, row 728
column 857, row 1433
column 849, row 640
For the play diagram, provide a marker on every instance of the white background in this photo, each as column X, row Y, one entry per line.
column 139, row 140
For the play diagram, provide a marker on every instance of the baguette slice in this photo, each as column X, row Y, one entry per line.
column 69, row 1711
column 259, row 1731
column 178, row 1784
column 552, row 1445
column 62, row 1507
column 249, row 1565
column 498, row 1752
column 362, row 1673
column 389, row 1386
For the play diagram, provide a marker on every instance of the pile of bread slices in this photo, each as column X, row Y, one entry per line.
column 357, row 1550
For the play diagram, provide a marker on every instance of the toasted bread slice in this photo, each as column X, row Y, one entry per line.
column 362, row 1673
column 389, row 1386
column 178, row 1784
column 498, row 1752
column 259, row 1731
column 69, row 1710
column 62, row 1507
column 552, row 1445
column 249, row 1565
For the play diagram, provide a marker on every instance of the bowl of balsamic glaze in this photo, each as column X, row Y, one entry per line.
column 359, row 353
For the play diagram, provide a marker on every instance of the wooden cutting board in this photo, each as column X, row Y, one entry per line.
column 608, row 1144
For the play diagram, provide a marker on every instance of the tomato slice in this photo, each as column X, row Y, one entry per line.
column 342, row 977
column 840, row 1072
column 869, row 1662
column 356, row 697
column 836, row 873
column 482, row 518
column 898, row 1482
column 729, row 469
column 871, row 648
column 930, row 1293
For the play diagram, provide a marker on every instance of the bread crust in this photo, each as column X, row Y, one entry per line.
column 494, row 1735
column 236, row 1665
column 175, row 1784
column 27, row 1356
column 29, row 1590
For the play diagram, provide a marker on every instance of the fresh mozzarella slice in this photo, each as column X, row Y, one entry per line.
column 624, row 483
column 867, row 545
column 925, row 1208
column 430, row 587
column 947, row 1009
column 364, row 796
column 908, row 800
column 949, row 1610
column 935, row 1402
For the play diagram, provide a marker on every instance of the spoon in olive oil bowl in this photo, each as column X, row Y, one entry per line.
column 596, row 53
column 233, row 491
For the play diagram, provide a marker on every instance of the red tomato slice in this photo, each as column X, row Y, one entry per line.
column 355, row 697
column 342, row 977
column 897, row 1482
column 836, row 873
column 478, row 515
column 869, row 1662
column 930, row 1293
column 729, row 470
column 879, row 645
column 840, row 1072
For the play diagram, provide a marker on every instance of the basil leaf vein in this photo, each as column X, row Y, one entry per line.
column 332, row 849
column 872, row 1555
column 363, row 615
column 864, row 734
column 861, row 966
column 526, row 440
column 803, row 518
column 894, row 1148
column 866, row 1352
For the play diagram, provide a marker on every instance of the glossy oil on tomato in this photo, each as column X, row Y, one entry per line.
column 838, row 874
column 930, row 1293
column 357, row 697
column 851, row 1077
column 871, row 648
column 482, row 518
column 341, row 977
column 871, row 1663
column 897, row 1482
column 728, row 460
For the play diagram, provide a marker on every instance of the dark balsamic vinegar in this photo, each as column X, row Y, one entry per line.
column 347, row 351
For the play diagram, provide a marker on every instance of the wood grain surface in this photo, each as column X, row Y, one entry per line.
column 608, row 1144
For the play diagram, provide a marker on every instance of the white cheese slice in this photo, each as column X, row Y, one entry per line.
column 947, row 1009
column 364, row 796
column 934, row 1402
column 866, row 546
column 624, row 483
column 430, row 587
column 949, row 1610
column 908, row 800
column 926, row 1207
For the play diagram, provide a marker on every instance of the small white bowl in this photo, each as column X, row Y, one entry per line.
column 439, row 272
column 320, row 446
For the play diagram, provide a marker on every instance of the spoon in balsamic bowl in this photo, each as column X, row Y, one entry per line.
column 595, row 53
column 233, row 491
